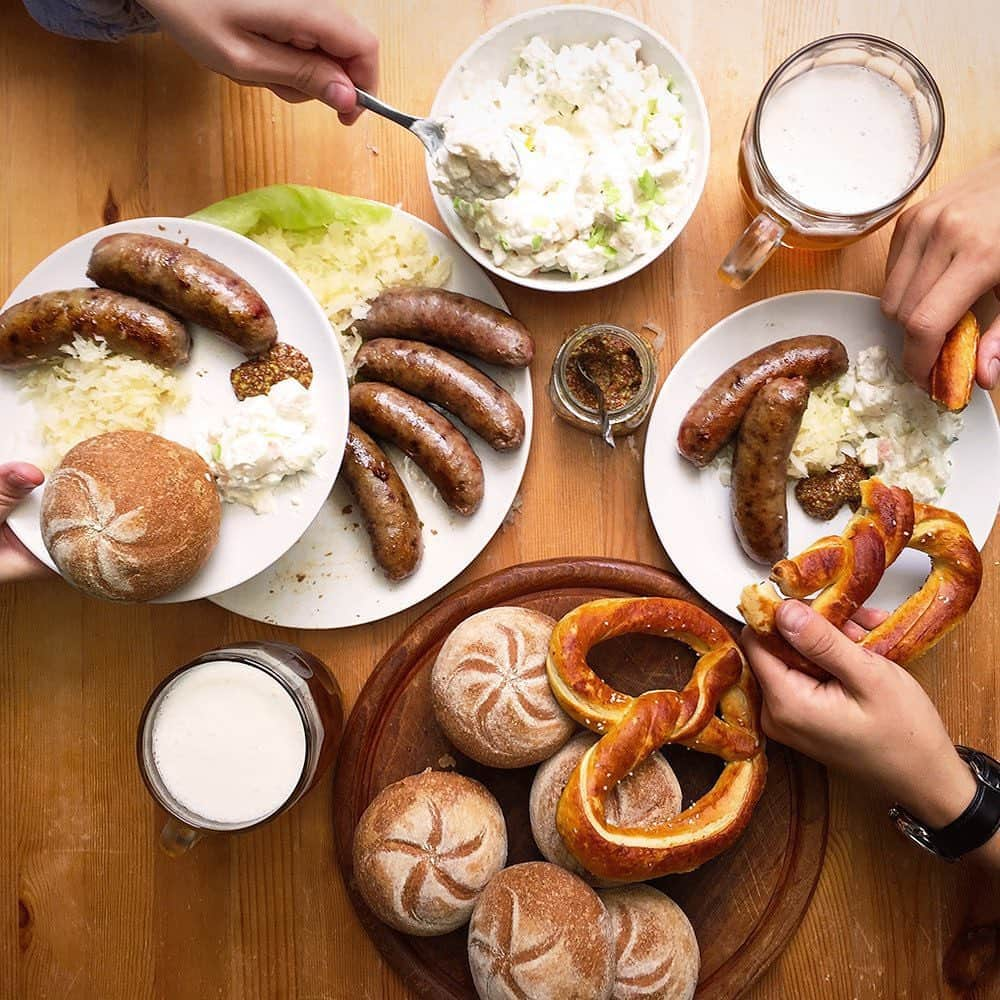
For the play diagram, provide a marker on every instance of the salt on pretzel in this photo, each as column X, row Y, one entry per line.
column 632, row 728
column 847, row 568
column 955, row 369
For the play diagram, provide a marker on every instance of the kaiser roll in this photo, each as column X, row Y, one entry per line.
column 537, row 931
column 130, row 516
column 425, row 847
column 490, row 691
column 656, row 950
column 647, row 797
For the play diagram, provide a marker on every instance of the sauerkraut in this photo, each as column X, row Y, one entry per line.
column 92, row 391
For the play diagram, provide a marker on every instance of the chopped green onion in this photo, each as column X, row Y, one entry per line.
column 611, row 193
column 504, row 244
column 621, row 217
column 647, row 185
column 217, row 451
column 598, row 236
column 653, row 106
column 536, row 242
column 642, row 150
column 610, row 251
column 651, row 226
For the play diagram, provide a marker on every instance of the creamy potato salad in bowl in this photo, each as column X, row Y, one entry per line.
column 612, row 143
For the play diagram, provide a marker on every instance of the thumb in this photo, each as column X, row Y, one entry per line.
column 824, row 644
column 988, row 356
column 17, row 480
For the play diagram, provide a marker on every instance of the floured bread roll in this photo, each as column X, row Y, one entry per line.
column 657, row 953
column 425, row 847
column 649, row 796
column 539, row 932
column 490, row 691
column 130, row 516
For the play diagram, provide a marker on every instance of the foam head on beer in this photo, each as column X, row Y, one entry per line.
column 228, row 742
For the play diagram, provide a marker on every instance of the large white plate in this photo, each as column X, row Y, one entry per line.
column 690, row 507
column 247, row 541
column 329, row 579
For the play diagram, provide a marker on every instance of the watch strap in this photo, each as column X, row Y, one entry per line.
column 977, row 824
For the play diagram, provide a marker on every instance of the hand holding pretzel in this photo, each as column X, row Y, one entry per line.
column 632, row 728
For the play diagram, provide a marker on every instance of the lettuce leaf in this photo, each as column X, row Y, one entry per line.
column 290, row 207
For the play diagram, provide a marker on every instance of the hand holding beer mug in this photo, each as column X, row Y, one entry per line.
column 236, row 737
column 843, row 133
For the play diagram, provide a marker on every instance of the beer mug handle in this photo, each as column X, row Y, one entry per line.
column 177, row 838
column 759, row 240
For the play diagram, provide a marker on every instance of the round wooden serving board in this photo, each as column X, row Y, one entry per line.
column 744, row 905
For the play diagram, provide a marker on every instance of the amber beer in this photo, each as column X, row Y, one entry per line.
column 843, row 132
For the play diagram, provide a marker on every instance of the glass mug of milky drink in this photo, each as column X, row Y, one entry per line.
column 236, row 737
column 843, row 132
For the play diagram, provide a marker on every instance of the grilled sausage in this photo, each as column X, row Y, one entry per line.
column 36, row 328
column 439, row 377
column 449, row 320
column 760, row 468
column 716, row 414
column 431, row 440
column 187, row 282
column 386, row 507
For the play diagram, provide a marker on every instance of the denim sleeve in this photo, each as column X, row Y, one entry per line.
column 102, row 20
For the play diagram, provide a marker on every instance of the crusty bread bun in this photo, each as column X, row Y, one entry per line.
column 425, row 847
column 491, row 694
column 656, row 951
column 539, row 932
column 130, row 516
column 647, row 797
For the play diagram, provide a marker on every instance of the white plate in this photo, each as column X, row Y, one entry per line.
column 491, row 57
column 329, row 579
column 690, row 507
column 248, row 542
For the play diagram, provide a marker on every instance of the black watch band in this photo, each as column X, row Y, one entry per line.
column 977, row 824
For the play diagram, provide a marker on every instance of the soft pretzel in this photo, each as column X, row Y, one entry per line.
column 847, row 568
column 717, row 712
column 955, row 369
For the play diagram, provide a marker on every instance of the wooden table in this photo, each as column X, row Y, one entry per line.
column 90, row 133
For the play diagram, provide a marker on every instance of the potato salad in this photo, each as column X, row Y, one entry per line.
column 605, row 158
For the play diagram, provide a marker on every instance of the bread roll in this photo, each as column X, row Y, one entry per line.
column 655, row 947
column 539, row 932
column 425, row 847
column 491, row 694
column 651, row 795
column 130, row 516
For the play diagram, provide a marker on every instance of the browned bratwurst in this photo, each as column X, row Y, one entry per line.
column 717, row 412
column 431, row 440
column 386, row 507
column 449, row 319
column 439, row 377
column 760, row 463
column 187, row 282
column 36, row 328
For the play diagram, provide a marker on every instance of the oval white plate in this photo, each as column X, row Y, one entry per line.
column 247, row 541
column 329, row 579
column 690, row 507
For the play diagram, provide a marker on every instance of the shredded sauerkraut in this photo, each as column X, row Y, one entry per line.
column 92, row 391
column 347, row 264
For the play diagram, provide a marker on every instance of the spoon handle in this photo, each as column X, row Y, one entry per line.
column 372, row 103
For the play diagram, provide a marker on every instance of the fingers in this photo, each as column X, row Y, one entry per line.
column 824, row 644
column 909, row 239
column 17, row 480
column 988, row 357
column 869, row 618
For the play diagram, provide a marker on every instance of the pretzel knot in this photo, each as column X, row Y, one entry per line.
column 717, row 712
column 847, row 568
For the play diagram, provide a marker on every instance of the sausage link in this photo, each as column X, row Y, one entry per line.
column 430, row 439
column 35, row 329
column 449, row 319
column 187, row 282
column 386, row 507
column 760, row 467
column 716, row 414
column 439, row 377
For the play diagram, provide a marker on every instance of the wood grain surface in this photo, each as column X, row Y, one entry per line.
column 90, row 133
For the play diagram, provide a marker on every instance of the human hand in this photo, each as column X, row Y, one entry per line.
column 300, row 49
column 17, row 480
column 870, row 719
column 945, row 254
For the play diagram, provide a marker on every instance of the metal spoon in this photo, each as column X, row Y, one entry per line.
column 602, row 406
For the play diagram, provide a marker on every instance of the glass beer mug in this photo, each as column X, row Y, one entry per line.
column 842, row 134
column 236, row 737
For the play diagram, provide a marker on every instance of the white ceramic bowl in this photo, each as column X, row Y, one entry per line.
column 492, row 56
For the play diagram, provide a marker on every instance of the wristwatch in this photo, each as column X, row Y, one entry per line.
column 977, row 824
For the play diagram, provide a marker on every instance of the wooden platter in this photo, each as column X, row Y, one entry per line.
column 744, row 905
